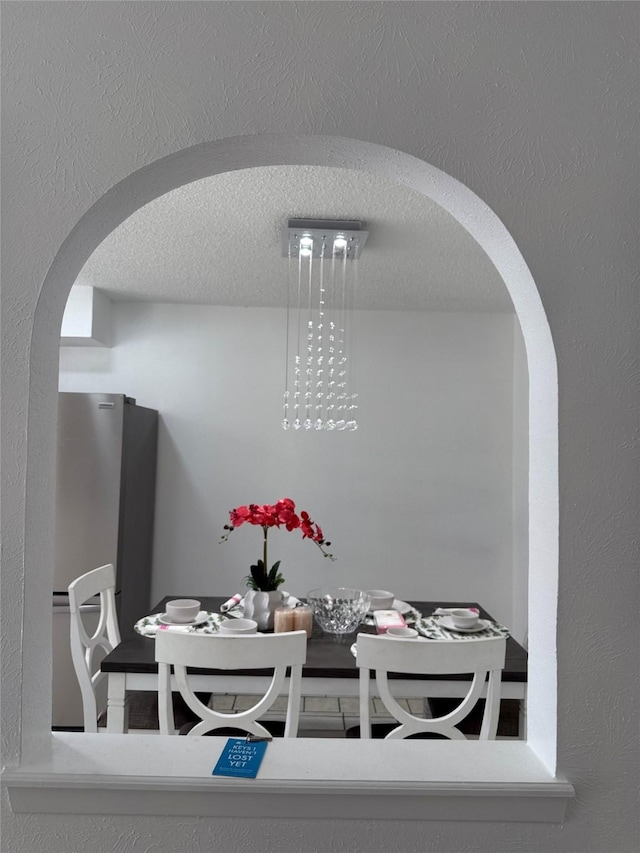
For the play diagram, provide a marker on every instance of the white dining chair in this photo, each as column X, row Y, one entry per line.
column 256, row 651
column 84, row 648
column 88, row 650
column 438, row 657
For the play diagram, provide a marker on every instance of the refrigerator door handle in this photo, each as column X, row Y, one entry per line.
column 61, row 604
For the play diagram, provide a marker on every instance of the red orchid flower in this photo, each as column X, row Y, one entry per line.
column 283, row 512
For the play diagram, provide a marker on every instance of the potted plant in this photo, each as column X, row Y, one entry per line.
column 263, row 582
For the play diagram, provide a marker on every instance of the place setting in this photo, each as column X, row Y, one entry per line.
column 390, row 616
column 458, row 623
column 182, row 615
column 185, row 616
column 382, row 600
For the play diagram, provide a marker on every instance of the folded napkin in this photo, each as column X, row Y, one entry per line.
column 176, row 629
column 231, row 602
column 446, row 611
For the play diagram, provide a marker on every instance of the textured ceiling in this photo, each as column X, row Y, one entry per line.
column 217, row 241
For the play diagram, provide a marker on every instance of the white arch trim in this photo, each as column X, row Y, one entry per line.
column 231, row 154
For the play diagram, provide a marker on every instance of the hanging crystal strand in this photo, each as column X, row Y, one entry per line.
column 296, row 371
column 285, row 413
column 342, row 357
column 308, row 423
column 331, row 361
column 352, row 397
column 318, row 424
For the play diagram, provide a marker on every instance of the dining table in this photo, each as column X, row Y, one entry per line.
column 330, row 668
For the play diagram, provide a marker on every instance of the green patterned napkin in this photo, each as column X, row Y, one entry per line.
column 148, row 626
column 431, row 628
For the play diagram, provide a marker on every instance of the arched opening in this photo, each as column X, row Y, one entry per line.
column 246, row 152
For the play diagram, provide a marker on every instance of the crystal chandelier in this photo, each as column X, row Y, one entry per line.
column 322, row 282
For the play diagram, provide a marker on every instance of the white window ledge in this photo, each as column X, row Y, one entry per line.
column 303, row 778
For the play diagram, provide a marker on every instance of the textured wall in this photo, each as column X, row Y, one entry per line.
column 531, row 105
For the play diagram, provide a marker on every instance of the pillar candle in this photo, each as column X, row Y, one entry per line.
column 303, row 619
column 283, row 620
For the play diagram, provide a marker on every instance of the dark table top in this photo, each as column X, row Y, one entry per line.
column 328, row 655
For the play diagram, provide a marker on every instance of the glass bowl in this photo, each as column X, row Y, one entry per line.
column 338, row 610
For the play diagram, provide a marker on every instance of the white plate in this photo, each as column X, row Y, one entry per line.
column 402, row 606
column 200, row 618
column 447, row 622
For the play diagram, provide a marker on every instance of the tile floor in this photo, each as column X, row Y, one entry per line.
column 320, row 716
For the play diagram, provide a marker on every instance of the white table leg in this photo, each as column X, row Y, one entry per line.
column 522, row 721
column 117, row 709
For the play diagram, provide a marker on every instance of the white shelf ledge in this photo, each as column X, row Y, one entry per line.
column 303, row 778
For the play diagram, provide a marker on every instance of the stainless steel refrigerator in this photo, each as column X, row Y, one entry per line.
column 105, row 501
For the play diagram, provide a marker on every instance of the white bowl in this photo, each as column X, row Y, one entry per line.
column 402, row 633
column 462, row 617
column 238, row 626
column 381, row 599
column 182, row 609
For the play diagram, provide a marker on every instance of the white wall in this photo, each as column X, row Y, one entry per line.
column 520, row 485
column 419, row 498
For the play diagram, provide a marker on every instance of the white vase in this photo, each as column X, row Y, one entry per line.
column 260, row 607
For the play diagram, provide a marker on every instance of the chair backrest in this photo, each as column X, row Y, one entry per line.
column 436, row 657
column 106, row 637
column 256, row 651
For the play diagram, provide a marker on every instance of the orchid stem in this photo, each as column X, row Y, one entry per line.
column 264, row 553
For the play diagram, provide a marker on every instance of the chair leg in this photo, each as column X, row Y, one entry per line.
column 293, row 705
column 117, row 710
column 365, row 722
column 492, row 707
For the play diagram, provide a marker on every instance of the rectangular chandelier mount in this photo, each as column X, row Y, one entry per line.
column 323, row 238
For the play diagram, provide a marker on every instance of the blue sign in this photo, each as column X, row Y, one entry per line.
column 240, row 758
